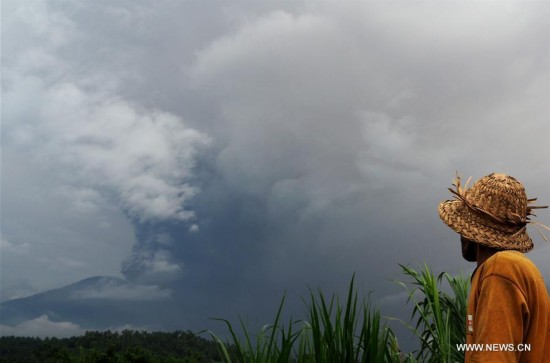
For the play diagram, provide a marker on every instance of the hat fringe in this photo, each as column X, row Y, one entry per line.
column 535, row 224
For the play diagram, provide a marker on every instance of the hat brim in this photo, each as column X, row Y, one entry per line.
column 475, row 227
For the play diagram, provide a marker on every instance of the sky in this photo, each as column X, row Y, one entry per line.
column 217, row 154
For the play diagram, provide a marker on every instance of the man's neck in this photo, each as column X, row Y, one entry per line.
column 483, row 253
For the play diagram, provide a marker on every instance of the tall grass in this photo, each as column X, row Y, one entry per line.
column 352, row 330
column 273, row 344
column 440, row 317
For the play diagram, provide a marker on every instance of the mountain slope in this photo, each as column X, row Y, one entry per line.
column 98, row 302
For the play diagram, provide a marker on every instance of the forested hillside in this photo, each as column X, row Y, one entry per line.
column 107, row 346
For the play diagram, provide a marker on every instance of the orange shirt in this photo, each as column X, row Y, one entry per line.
column 508, row 308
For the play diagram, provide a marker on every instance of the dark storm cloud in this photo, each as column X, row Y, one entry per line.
column 258, row 148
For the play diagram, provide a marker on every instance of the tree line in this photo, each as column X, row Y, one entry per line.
column 107, row 346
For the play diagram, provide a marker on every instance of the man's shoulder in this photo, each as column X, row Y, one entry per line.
column 510, row 265
column 509, row 256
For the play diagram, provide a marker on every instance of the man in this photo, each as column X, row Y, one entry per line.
column 508, row 312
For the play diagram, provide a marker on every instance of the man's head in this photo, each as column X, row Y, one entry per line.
column 494, row 213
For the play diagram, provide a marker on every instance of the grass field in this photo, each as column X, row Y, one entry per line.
column 351, row 329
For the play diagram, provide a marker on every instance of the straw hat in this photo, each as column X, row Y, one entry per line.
column 493, row 212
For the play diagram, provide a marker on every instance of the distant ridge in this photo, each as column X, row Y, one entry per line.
column 97, row 303
column 87, row 282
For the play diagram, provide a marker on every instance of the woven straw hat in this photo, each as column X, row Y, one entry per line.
column 493, row 212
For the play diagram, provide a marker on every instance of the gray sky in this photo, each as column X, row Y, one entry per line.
column 219, row 153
